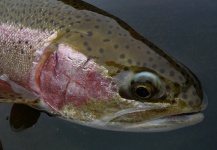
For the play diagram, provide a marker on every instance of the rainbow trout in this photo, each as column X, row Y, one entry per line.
column 82, row 64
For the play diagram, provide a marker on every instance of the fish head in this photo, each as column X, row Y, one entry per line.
column 113, row 78
column 131, row 98
column 166, row 101
column 94, row 69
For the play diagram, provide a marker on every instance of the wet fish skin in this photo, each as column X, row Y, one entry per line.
column 68, row 48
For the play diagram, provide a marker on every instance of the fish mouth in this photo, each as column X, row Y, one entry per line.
column 161, row 124
column 152, row 118
column 167, row 123
column 148, row 117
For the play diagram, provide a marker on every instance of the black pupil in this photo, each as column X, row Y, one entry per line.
column 142, row 92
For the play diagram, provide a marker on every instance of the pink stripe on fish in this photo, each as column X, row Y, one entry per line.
column 70, row 77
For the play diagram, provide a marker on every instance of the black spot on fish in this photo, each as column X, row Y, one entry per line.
column 56, row 24
column 85, row 43
column 44, row 28
column 63, row 18
column 122, row 56
column 101, row 50
column 127, row 46
column 67, row 30
column 69, row 12
column 150, row 59
column 62, row 26
column 197, row 101
column 130, row 61
column 138, row 47
column 154, row 66
column 96, row 27
column 172, row 73
column 176, row 84
column 46, row 19
column 138, row 63
column 106, row 40
column 194, row 93
column 67, row 35
column 87, row 20
column 162, row 70
column 98, row 20
column 51, row 21
column 181, row 78
column 184, row 96
column 89, row 48
column 116, row 46
column 89, row 33
column 109, row 32
column 144, row 64
column 159, row 57
column 190, row 103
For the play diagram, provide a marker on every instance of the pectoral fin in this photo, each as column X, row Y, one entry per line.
column 10, row 92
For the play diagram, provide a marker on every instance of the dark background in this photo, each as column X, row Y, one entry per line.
column 186, row 29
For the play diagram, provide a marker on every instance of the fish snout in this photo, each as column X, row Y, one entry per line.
column 194, row 98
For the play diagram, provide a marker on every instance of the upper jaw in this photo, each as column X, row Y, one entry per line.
column 135, row 116
column 158, row 124
column 146, row 120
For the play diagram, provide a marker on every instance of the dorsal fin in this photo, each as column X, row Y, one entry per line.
column 10, row 92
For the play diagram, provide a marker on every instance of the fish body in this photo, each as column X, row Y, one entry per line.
column 78, row 62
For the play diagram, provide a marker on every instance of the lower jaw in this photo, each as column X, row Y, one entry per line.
column 166, row 123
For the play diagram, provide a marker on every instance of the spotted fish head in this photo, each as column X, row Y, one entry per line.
column 111, row 77
column 135, row 89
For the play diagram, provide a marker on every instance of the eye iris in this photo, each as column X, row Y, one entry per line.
column 143, row 91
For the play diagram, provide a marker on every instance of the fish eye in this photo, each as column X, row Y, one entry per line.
column 145, row 86
column 142, row 91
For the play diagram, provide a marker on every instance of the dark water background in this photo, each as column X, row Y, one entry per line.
column 186, row 29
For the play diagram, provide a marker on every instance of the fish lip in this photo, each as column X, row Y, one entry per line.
column 160, row 124
column 163, row 124
column 168, row 123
